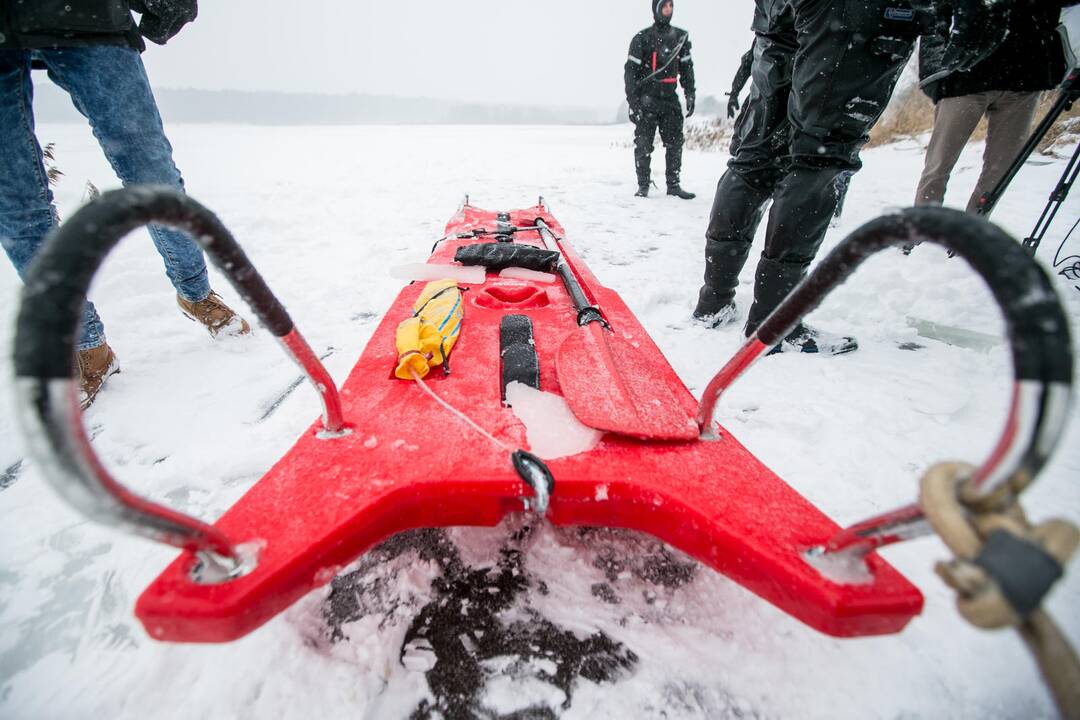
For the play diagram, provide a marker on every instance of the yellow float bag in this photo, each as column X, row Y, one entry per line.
column 426, row 339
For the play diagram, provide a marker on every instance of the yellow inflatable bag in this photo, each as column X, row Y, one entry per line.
column 426, row 339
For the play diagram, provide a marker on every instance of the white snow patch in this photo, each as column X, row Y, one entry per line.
column 419, row 656
column 515, row 690
column 842, row 568
column 550, row 425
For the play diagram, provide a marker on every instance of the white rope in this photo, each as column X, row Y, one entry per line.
column 457, row 413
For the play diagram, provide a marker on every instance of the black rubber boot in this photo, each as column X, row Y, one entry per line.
column 680, row 193
column 642, row 191
column 713, row 315
column 773, row 282
column 805, row 339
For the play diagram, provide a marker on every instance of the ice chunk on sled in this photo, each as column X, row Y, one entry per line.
column 517, row 273
column 439, row 271
column 550, row 426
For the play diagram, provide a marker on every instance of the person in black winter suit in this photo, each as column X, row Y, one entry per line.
column 658, row 61
column 823, row 73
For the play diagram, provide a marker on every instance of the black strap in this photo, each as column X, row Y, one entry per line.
column 445, row 289
column 1023, row 570
column 662, row 68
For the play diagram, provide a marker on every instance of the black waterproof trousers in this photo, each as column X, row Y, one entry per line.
column 823, row 73
column 667, row 115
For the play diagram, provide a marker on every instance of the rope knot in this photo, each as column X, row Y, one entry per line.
column 1004, row 565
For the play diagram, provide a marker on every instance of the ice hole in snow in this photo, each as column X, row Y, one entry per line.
column 550, row 426
column 439, row 271
column 517, row 273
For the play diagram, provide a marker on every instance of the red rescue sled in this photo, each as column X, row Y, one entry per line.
column 389, row 457
column 329, row 500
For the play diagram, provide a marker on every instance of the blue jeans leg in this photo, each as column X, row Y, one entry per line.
column 108, row 85
column 26, row 210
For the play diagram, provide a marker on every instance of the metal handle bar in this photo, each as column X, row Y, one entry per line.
column 1035, row 323
column 48, row 400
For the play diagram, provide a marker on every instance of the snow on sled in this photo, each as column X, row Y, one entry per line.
column 393, row 454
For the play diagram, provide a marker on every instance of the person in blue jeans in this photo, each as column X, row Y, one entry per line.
column 91, row 49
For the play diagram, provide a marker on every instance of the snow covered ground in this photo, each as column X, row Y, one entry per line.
column 323, row 212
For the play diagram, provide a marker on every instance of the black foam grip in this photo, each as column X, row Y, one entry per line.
column 517, row 351
column 498, row 256
column 59, row 277
column 1036, row 324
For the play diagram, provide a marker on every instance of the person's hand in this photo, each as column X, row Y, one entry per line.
column 690, row 102
column 732, row 105
column 978, row 28
column 163, row 19
column 635, row 114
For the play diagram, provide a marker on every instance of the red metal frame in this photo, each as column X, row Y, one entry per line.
column 409, row 464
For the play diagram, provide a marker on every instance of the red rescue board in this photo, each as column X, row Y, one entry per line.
column 409, row 464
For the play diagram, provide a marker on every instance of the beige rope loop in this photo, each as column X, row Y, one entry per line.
column 964, row 526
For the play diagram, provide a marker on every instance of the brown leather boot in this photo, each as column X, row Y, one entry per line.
column 214, row 315
column 95, row 365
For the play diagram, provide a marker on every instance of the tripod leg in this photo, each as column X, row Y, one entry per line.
column 1057, row 199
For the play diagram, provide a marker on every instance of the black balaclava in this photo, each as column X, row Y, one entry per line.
column 656, row 6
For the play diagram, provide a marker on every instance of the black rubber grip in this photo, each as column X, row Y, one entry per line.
column 1036, row 324
column 498, row 256
column 59, row 277
column 517, row 351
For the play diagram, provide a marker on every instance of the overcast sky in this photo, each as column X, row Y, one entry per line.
column 499, row 51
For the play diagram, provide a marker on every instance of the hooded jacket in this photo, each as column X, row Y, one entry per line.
column 66, row 23
column 658, row 61
column 1030, row 58
column 35, row 24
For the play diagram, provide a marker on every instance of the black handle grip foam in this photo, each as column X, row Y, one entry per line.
column 59, row 278
column 1035, row 321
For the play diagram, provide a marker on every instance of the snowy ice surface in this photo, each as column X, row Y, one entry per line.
column 181, row 424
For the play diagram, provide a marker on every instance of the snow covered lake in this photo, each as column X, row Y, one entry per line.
column 324, row 213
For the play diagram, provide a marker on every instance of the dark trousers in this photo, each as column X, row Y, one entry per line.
column 667, row 116
column 823, row 74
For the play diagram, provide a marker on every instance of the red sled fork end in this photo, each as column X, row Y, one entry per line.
column 712, row 500
column 1041, row 393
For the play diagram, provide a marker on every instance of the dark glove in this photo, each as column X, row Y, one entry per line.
column 690, row 102
column 635, row 114
column 978, row 29
column 732, row 105
column 162, row 19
